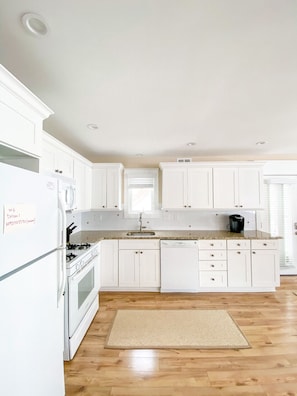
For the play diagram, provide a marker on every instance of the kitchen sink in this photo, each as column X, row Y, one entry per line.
column 141, row 233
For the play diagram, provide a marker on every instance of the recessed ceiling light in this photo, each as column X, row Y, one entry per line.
column 93, row 127
column 260, row 143
column 35, row 24
column 190, row 144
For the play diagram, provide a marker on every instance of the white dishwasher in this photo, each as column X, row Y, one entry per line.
column 179, row 266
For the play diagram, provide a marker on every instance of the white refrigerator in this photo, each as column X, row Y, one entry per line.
column 32, row 277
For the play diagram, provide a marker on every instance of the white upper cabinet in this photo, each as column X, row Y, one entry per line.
column 55, row 157
column 107, row 186
column 21, row 116
column 82, row 173
column 238, row 187
column 186, row 187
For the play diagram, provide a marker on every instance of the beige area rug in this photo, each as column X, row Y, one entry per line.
column 176, row 329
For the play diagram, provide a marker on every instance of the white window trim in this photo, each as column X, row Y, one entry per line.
column 142, row 172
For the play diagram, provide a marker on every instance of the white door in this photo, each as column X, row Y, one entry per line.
column 225, row 187
column 239, row 268
column 200, row 195
column 31, row 341
column 279, row 218
column 149, row 268
column 174, row 194
column 128, row 268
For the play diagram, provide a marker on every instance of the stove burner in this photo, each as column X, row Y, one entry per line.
column 78, row 246
column 70, row 257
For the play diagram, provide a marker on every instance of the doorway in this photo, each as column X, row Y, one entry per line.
column 279, row 218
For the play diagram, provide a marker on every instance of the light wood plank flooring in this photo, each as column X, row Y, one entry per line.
column 268, row 320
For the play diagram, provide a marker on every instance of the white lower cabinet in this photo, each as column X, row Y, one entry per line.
column 212, row 263
column 239, row 263
column 265, row 263
column 109, row 267
column 139, row 264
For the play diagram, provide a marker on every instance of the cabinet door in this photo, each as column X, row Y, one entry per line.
column 64, row 163
column 99, row 188
column 55, row 159
column 113, row 189
column 250, row 187
column 129, row 268
column 225, row 187
column 82, row 175
column 149, row 268
column 109, row 263
column 265, row 268
column 239, row 268
column 200, row 192
column 174, row 188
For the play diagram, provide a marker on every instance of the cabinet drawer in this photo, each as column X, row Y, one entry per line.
column 237, row 244
column 212, row 244
column 213, row 278
column 212, row 255
column 213, row 265
column 265, row 244
column 136, row 244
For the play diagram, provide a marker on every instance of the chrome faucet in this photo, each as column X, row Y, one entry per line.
column 141, row 227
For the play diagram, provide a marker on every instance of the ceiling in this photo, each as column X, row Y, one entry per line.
column 155, row 75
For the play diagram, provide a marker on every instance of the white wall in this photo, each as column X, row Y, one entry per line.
column 195, row 220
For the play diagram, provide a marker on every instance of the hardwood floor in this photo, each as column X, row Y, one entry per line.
column 269, row 367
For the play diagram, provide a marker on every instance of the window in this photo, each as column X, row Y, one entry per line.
column 279, row 203
column 141, row 191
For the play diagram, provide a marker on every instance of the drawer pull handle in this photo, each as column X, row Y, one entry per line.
column 254, row 252
column 238, row 252
column 264, row 244
column 211, row 244
column 213, row 279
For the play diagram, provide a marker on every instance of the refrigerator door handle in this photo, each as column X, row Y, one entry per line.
column 61, row 251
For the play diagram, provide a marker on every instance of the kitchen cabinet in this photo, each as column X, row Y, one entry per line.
column 186, row 187
column 107, row 186
column 212, row 263
column 238, row 187
column 239, row 263
column 82, row 173
column 21, row 117
column 109, row 264
column 139, row 264
column 265, row 263
column 56, row 157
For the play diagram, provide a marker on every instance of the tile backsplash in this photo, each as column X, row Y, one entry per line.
column 166, row 220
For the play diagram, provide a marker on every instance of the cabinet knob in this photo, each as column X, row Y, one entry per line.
column 264, row 244
column 136, row 252
column 212, row 265
column 189, row 206
column 141, row 252
column 185, row 206
column 254, row 252
column 212, row 279
column 238, row 252
column 212, row 255
column 60, row 171
column 211, row 244
column 57, row 170
column 103, row 206
column 115, row 206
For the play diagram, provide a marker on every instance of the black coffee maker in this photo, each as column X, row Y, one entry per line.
column 236, row 223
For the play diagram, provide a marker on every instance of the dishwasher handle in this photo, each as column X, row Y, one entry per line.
column 179, row 243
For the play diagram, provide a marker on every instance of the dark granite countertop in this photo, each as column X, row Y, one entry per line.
column 95, row 236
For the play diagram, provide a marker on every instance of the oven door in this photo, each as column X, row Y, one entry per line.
column 83, row 288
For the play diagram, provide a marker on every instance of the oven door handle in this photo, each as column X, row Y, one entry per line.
column 83, row 270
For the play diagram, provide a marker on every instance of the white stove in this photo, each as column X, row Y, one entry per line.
column 81, row 298
column 76, row 256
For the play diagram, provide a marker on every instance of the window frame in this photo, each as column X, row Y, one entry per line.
column 130, row 173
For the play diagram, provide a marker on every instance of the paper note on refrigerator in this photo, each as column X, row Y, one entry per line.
column 18, row 216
